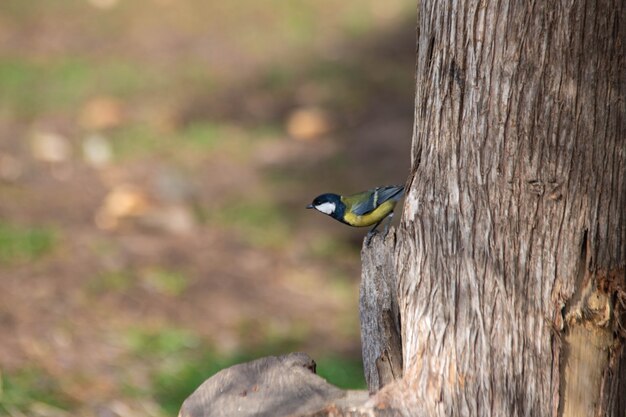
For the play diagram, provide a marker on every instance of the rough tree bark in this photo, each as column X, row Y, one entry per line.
column 379, row 314
column 510, row 257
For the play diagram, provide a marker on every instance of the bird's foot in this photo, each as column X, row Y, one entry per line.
column 371, row 233
column 386, row 232
column 369, row 236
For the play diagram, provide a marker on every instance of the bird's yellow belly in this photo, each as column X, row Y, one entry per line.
column 372, row 217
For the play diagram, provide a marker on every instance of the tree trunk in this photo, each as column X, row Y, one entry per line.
column 510, row 257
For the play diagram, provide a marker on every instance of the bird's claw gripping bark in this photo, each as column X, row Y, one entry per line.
column 371, row 233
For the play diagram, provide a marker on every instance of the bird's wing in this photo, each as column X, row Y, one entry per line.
column 367, row 201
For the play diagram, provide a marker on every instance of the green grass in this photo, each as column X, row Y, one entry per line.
column 23, row 243
column 112, row 281
column 161, row 280
column 331, row 248
column 134, row 140
column 202, row 135
column 272, row 336
column 276, row 79
column 31, row 86
column 259, row 223
column 359, row 22
column 159, row 343
column 298, row 21
column 345, row 372
column 165, row 281
column 28, row 387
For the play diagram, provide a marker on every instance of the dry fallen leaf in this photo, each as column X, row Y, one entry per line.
column 50, row 147
column 123, row 201
column 308, row 123
column 97, row 151
column 102, row 113
column 175, row 218
column 103, row 4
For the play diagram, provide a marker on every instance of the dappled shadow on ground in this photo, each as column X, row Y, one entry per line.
column 153, row 179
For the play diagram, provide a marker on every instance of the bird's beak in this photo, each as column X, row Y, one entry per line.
column 310, row 206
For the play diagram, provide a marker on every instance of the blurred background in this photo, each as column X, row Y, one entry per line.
column 155, row 160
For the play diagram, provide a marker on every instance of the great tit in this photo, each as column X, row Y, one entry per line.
column 364, row 209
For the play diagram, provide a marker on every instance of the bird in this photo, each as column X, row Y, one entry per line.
column 363, row 209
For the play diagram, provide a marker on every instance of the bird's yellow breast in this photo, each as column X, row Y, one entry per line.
column 372, row 217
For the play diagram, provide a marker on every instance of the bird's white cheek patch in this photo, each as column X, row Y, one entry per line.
column 326, row 208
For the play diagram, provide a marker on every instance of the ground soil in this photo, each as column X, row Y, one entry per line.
column 69, row 311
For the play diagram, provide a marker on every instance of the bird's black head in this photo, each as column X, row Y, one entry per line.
column 327, row 204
